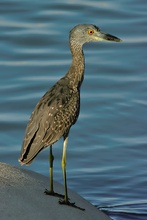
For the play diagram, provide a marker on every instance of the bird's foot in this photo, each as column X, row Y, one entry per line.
column 63, row 202
column 52, row 193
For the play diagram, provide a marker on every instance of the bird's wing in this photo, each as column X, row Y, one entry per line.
column 52, row 117
column 32, row 142
column 65, row 115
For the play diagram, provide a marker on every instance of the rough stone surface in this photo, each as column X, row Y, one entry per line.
column 22, row 197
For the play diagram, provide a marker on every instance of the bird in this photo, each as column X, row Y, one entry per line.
column 59, row 107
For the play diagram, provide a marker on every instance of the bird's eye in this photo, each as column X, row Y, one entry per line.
column 90, row 32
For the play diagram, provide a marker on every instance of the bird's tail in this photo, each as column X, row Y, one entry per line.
column 30, row 150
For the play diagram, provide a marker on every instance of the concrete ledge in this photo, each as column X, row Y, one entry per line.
column 22, row 197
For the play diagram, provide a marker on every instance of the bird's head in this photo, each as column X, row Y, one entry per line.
column 84, row 33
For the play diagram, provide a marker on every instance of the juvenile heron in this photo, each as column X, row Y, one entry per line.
column 59, row 108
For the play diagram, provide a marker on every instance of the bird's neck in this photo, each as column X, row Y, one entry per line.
column 76, row 70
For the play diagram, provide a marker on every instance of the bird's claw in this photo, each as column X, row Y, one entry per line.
column 52, row 193
column 63, row 202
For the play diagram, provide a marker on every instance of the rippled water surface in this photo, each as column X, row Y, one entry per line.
column 107, row 150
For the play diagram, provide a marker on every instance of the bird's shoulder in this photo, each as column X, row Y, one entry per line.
column 56, row 111
column 59, row 96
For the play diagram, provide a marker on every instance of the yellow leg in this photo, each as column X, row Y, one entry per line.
column 51, row 159
column 64, row 169
column 66, row 199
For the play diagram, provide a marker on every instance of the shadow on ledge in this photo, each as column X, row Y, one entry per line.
column 22, row 197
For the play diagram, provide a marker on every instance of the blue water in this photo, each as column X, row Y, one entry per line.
column 107, row 150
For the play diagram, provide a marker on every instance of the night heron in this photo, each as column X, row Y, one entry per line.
column 59, row 108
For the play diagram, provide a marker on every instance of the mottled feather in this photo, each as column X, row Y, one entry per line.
column 59, row 108
column 51, row 119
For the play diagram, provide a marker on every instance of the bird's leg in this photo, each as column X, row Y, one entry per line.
column 66, row 199
column 51, row 192
column 51, row 159
column 64, row 169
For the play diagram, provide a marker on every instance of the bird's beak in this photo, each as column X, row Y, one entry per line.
column 108, row 37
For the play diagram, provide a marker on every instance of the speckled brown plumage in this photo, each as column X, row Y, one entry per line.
column 59, row 108
column 51, row 119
